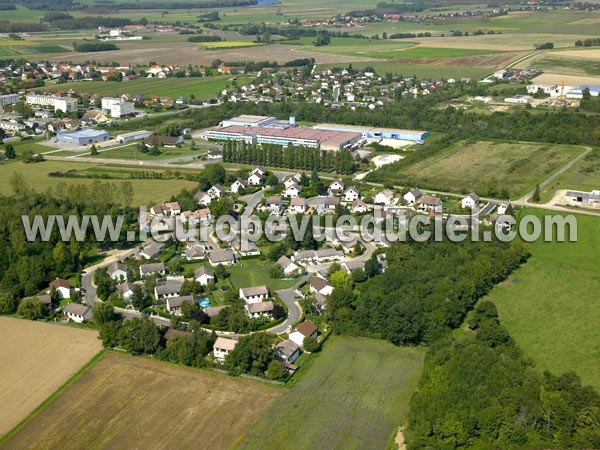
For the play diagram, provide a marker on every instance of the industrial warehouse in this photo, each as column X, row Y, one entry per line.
column 269, row 130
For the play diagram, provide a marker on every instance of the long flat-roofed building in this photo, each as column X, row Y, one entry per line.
column 377, row 132
column 296, row 136
column 247, row 120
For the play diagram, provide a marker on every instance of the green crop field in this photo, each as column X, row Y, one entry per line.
column 554, row 63
column 354, row 395
column 419, row 70
column 201, row 88
column 36, row 176
column 550, row 304
column 227, row 44
column 469, row 166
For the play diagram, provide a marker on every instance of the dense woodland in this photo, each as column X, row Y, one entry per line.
column 479, row 392
column 27, row 267
column 427, row 290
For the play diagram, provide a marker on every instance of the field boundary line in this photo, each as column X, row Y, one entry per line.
column 6, row 437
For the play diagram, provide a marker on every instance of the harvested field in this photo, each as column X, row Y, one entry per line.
column 184, row 53
column 135, row 402
column 588, row 53
column 570, row 80
column 37, row 358
column 487, row 60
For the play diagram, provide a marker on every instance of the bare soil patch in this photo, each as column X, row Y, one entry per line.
column 37, row 358
column 126, row 402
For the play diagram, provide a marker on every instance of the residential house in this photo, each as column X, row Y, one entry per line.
column 165, row 141
column 77, row 313
column 298, row 205
column 254, row 294
column 336, row 188
column 471, row 201
column 172, row 208
column 262, row 309
column 502, row 208
column 168, row 289
column 118, row 271
column 320, row 286
column 238, row 186
column 203, row 198
column 292, row 191
column 294, row 179
column 150, row 269
column 304, row 256
column 351, row 194
column 287, row 351
column 152, row 251
column 359, row 207
column 256, row 177
column 225, row 256
column 157, row 210
column 196, row 250
column 245, row 247
column 126, row 290
column 288, row 267
column 213, row 311
column 204, row 276
column 302, row 331
column 216, row 191
column 352, row 266
column 222, row 348
column 413, row 196
column 429, row 203
column 44, row 299
column 273, row 203
column 62, row 288
column 385, row 197
column 328, row 254
column 174, row 304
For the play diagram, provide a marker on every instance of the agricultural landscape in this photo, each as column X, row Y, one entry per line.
column 479, row 123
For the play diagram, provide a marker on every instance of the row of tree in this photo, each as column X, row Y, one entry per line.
column 291, row 157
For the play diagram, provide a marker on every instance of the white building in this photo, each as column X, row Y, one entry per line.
column 8, row 99
column 77, row 313
column 254, row 294
column 117, row 107
column 64, row 104
column 470, row 201
column 133, row 136
column 223, row 347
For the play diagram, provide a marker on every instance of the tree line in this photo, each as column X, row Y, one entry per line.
column 291, row 157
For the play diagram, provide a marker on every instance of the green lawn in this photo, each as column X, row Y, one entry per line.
column 354, row 395
column 132, row 152
column 201, row 88
column 255, row 272
column 470, row 166
column 550, row 304
column 36, row 175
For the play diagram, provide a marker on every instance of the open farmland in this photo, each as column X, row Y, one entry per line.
column 201, row 88
column 37, row 177
column 38, row 358
column 134, row 402
column 550, row 304
column 470, row 166
column 354, row 395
